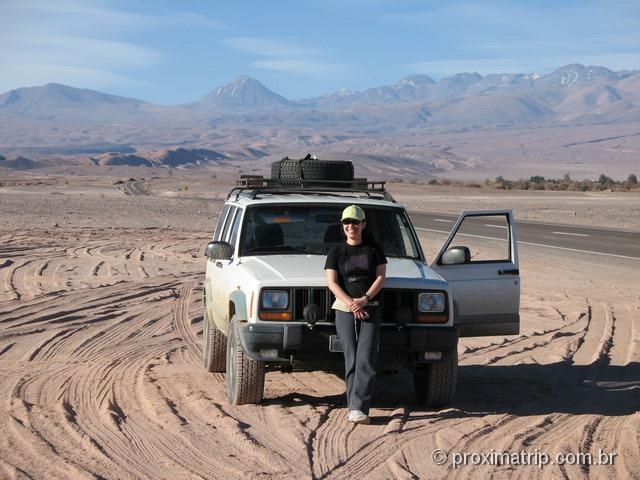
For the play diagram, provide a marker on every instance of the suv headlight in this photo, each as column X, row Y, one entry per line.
column 274, row 300
column 431, row 302
column 274, row 305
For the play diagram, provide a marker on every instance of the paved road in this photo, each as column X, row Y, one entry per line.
column 584, row 239
column 135, row 188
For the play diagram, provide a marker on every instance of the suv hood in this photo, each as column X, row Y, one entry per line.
column 308, row 270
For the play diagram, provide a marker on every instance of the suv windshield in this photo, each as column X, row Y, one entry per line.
column 283, row 229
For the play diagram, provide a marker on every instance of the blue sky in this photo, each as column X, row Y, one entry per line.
column 175, row 52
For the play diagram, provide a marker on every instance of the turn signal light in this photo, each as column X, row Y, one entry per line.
column 282, row 316
column 432, row 318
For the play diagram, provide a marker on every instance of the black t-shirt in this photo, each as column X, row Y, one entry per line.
column 356, row 266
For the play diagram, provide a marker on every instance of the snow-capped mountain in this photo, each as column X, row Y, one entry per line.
column 244, row 93
column 576, row 74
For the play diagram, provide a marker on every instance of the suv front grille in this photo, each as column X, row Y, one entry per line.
column 318, row 295
column 392, row 300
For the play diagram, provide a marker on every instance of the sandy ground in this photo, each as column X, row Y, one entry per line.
column 101, row 377
column 197, row 189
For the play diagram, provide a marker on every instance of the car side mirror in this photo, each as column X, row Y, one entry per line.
column 456, row 256
column 219, row 250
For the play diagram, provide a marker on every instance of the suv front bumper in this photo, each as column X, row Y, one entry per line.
column 298, row 343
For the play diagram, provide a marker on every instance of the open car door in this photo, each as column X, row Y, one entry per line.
column 479, row 260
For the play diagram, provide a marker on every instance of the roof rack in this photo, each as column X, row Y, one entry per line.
column 253, row 185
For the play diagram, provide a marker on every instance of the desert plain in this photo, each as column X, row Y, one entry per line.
column 100, row 350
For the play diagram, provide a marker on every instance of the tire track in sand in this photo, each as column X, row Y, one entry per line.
column 105, row 381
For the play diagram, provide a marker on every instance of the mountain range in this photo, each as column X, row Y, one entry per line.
column 568, row 92
column 244, row 118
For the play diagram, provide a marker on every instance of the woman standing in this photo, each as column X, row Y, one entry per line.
column 355, row 274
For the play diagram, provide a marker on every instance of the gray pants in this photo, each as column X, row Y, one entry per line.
column 359, row 340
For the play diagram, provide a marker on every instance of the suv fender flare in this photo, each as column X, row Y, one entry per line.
column 456, row 313
column 239, row 300
column 206, row 302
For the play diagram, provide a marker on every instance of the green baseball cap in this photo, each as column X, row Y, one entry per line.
column 353, row 211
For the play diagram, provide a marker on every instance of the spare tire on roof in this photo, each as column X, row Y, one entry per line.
column 293, row 171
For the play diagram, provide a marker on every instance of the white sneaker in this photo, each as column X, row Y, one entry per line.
column 357, row 416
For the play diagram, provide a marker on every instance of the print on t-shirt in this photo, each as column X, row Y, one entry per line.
column 356, row 262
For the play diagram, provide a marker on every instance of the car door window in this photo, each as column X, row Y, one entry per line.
column 236, row 228
column 487, row 238
column 409, row 246
column 221, row 220
column 227, row 224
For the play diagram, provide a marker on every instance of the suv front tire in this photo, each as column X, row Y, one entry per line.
column 245, row 377
column 214, row 346
column 435, row 383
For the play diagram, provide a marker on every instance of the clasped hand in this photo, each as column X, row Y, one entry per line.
column 357, row 308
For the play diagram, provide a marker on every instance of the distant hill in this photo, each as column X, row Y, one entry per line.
column 576, row 74
column 168, row 158
column 115, row 158
column 20, row 163
column 244, row 93
column 479, row 110
column 54, row 102
column 410, row 89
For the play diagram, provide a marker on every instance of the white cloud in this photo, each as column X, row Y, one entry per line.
column 268, row 47
column 85, row 43
column 517, row 36
column 30, row 75
column 278, row 55
column 96, row 14
column 61, row 49
column 297, row 66
column 520, row 16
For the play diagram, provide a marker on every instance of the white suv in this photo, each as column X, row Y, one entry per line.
column 267, row 305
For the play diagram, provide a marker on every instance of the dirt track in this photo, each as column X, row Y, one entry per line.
column 101, row 377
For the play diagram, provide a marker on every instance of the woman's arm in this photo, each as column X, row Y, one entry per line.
column 336, row 289
column 374, row 289
column 376, row 286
